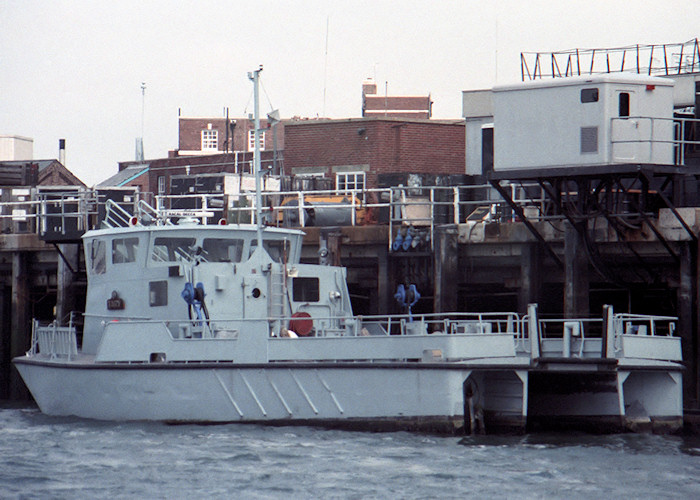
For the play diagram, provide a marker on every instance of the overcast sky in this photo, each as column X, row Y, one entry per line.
column 73, row 69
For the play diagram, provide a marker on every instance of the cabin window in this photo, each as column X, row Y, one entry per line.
column 277, row 250
column 624, row 104
column 305, row 290
column 222, row 249
column 124, row 250
column 98, row 257
column 158, row 293
column 589, row 95
column 173, row 249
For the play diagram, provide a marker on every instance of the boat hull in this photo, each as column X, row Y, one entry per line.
column 351, row 396
column 441, row 397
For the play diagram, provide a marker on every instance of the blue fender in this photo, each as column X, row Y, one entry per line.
column 398, row 242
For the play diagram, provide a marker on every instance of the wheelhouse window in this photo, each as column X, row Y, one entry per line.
column 210, row 140
column 624, row 104
column 98, row 257
column 589, row 95
column 222, row 249
column 124, row 250
column 305, row 290
column 278, row 250
column 173, row 249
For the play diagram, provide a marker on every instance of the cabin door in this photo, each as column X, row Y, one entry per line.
column 630, row 134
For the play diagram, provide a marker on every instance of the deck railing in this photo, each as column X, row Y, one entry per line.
column 349, row 326
column 571, row 337
column 53, row 341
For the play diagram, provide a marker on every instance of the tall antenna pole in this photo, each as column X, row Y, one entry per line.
column 143, row 105
column 496, row 55
column 255, row 77
column 139, row 142
column 325, row 69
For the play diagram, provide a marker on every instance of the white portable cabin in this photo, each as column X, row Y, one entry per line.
column 580, row 121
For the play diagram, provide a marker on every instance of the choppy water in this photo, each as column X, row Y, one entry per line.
column 47, row 457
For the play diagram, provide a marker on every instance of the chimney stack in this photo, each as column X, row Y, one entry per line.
column 369, row 87
column 62, row 151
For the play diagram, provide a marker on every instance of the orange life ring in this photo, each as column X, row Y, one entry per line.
column 301, row 323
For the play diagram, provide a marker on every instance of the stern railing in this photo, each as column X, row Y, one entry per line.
column 591, row 337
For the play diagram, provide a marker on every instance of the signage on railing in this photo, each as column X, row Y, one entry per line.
column 188, row 213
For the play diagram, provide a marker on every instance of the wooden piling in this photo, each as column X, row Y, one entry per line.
column 576, row 279
column 530, row 276
column 20, row 312
column 446, row 260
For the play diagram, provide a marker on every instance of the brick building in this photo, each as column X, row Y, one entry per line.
column 375, row 105
column 354, row 152
column 206, row 136
column 395, row 136
column 37, row 173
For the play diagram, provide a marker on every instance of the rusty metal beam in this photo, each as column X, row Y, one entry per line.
column 673, row 210
column 648, row 221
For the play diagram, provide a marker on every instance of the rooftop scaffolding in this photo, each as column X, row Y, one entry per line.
column 655, row 59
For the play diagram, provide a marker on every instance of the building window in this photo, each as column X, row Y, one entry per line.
column 251, row 140
column 349, row 181
column 210, row 140
column 589, row 95
column 161, row 184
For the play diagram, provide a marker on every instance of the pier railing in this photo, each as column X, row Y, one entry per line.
column 410, row 212
column 58, row 213
column 649, row 139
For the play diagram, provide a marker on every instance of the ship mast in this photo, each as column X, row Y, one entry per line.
column 255, row 77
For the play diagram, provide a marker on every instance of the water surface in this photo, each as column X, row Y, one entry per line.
column 50, row 457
